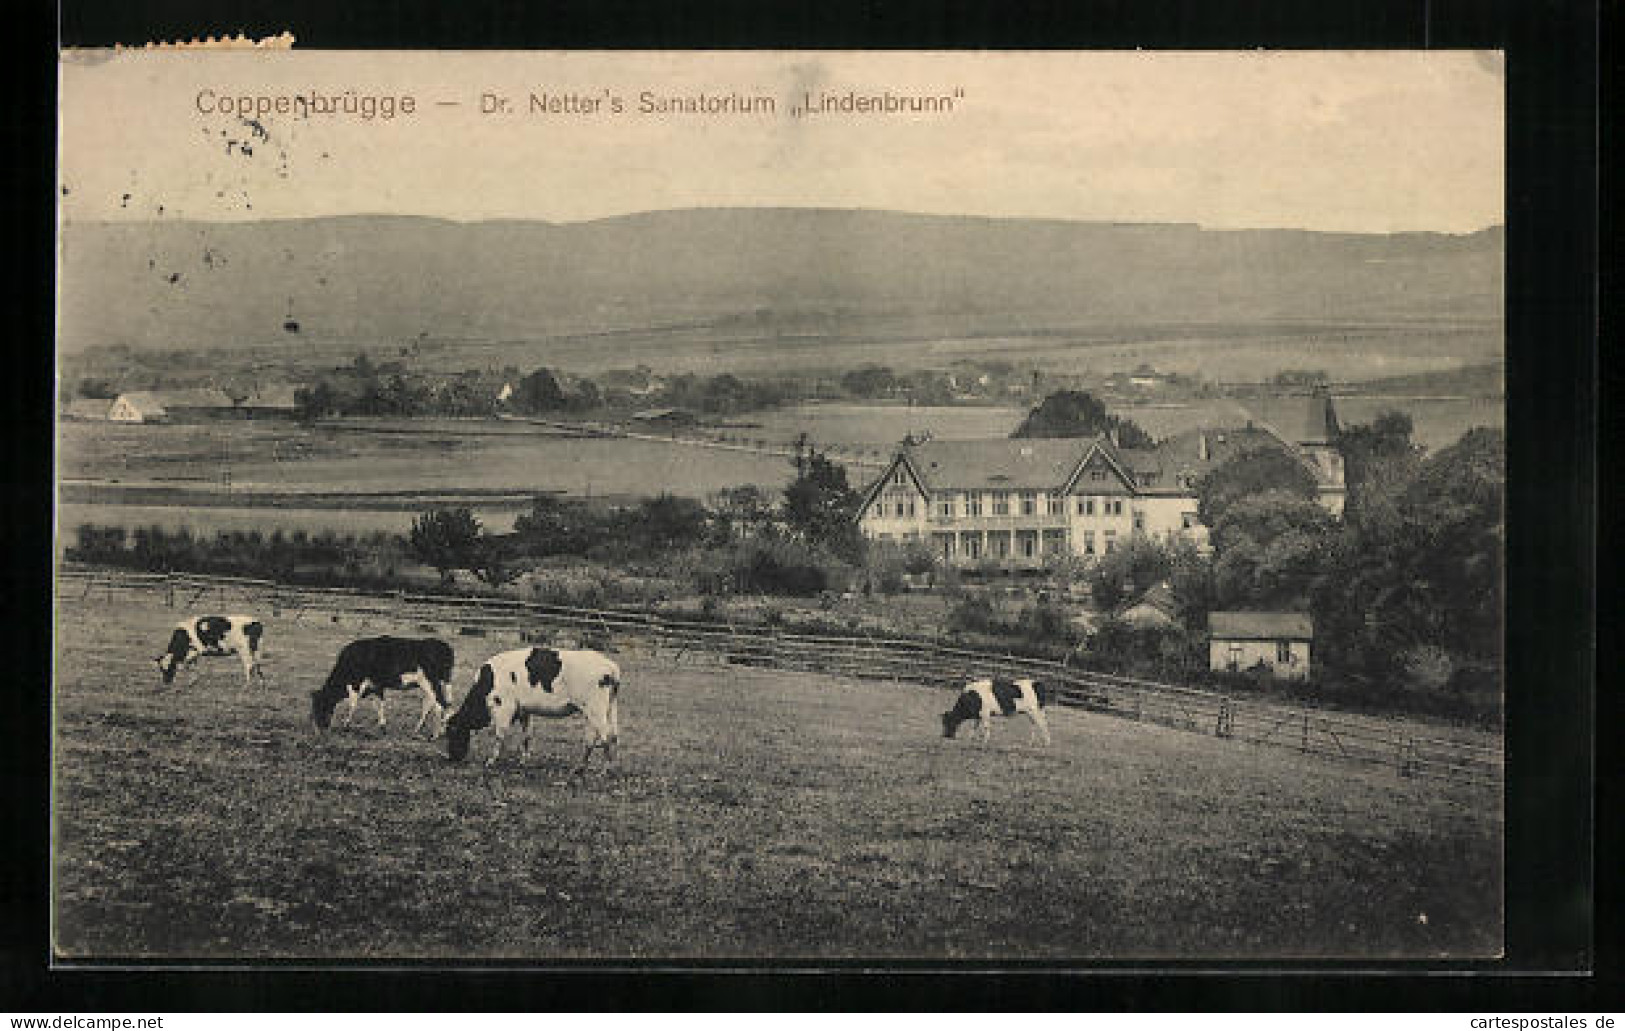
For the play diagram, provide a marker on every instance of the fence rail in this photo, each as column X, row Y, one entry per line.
column 1370, row 740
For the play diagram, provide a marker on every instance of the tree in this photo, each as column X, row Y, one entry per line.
column 1075, row 413
column 1419, row 577
column 822, row 507
column 446, row 539
column 1251, row 472
column 667, row 521
column 556, row 526
column 538, row 393
column 1379, row 459
column 869, row 381
column 725, row 394
column 1127, row 571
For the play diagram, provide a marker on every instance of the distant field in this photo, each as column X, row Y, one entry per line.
column 441, row 455
column 1436, row 423
column 750, row 814
column 1236, row 351
column 879, row 425
column 288, row 456
column 208, row 521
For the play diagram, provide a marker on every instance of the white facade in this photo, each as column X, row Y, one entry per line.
column 1090, row 512
column 1284, row 658
column 134, row 408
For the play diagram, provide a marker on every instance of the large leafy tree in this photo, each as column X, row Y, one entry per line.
column 1418, row 568
column 446, row 539
column 822, row 507
column 1074, row 413
column 1249, row 473
column 539, row 392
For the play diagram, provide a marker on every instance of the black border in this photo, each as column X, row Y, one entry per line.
column 1552, row 170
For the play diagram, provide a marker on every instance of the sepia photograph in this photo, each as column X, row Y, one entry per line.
column 779, row 506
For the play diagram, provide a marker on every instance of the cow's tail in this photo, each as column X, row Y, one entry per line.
column 474, row 713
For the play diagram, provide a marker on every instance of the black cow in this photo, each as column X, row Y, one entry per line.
column 375, row 665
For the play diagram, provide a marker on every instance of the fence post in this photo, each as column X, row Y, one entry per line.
column 1224, row 726
column 1305, row 746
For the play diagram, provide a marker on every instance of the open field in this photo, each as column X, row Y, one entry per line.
column 208, row 520
column 751, row 814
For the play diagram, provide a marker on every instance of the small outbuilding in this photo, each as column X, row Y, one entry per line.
column 189, row 405
column 1156, row 607
column 274, row 402
column 88, row 409
column 1277, row 641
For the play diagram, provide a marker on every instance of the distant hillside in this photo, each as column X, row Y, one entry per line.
column 759, row 272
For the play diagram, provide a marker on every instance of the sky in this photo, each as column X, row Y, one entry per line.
column 1354, row 141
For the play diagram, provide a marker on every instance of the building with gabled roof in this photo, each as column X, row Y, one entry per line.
column 1279, row 642
column 1027, row 503
column 169, row 405
column 1156, row 607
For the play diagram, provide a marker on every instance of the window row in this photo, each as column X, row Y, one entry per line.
column 1023, row 503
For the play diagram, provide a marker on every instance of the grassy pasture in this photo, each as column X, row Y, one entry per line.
column 751, row 814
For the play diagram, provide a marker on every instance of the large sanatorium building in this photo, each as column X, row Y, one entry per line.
column 1024, row 503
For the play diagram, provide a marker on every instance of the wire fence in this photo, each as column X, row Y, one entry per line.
column 1409, row 750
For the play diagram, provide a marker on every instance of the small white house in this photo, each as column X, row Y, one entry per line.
column 160, row 406
column 1278, row 641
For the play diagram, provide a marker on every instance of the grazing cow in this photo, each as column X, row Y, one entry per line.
column 516, row 685
column 984, row 699
column 214, row 635
column 376, row 665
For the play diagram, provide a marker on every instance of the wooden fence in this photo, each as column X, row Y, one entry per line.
column 1407, row 749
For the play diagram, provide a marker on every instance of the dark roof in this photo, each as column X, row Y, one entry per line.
column 1159, row 597
column 1160, row 468
column 1172, row 467
column 189, row 397
column 1299, row 418
column 999, row 463
column 281, row 395
column 1261, row 626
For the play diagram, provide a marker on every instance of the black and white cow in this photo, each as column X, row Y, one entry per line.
column 982, row 700
column 214, row 635
column 376, row 665
column 513, row 686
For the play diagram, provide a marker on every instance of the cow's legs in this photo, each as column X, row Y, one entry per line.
column 431, row 704
column 986, row 729
column 428, row 707
column 1040, row 725
column 355, row 702
column 381, row 694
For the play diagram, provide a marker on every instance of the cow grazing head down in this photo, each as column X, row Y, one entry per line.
column 180, row 646
column 322, row 704
column 472, row 715
column 968, row 706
